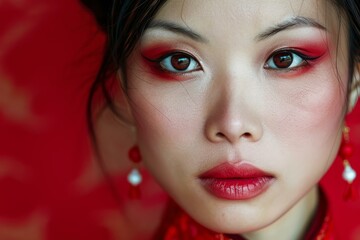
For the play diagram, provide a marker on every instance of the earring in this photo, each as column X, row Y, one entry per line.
column 134, row 177
column 349, row 174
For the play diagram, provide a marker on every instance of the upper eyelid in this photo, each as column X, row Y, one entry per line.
column 170, row 53
column 165, row 55
column 295, row 51
column 305, row 58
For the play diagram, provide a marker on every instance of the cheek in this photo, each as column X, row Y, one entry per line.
column 164, row 109
column 164, row 113
column 167, row 123
column 167, row 119
column 313, row 105
column 305, row 124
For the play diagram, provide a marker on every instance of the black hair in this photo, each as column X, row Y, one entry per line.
column 351, row 9
column 124, row 22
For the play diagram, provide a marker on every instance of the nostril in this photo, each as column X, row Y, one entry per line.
column 246, row 135
column 220, row 135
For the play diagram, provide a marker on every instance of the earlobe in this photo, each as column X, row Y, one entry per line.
column 355, row 88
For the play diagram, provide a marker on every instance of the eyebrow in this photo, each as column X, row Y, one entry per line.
column 286, row 25
column 289, row 24
column 173, row 27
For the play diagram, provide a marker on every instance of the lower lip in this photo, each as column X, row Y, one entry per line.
column 237, row 188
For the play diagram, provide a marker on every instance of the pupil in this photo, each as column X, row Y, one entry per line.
column 283, row 60
column 180, row 62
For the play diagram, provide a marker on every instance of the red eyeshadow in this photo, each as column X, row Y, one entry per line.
column 151, row 54
column 156, row 51
column 313, row 50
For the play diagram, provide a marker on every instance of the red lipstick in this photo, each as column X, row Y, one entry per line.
column 239, row 181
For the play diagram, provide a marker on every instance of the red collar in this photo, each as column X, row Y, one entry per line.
column 177, row 225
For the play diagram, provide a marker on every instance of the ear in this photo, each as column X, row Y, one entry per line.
column 355, row 88
column 122, row 104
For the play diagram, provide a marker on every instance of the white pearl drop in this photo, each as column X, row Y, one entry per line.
column 134, row 177
column 349, row 174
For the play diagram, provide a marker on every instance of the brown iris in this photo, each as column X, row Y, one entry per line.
column 180, row 61
column 283, row 59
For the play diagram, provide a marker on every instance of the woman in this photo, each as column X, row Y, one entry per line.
column 238, row 109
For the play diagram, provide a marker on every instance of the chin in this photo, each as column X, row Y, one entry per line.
column 234, row 221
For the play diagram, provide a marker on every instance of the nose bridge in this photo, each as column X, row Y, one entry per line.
column 230, row 99
column 232, row 114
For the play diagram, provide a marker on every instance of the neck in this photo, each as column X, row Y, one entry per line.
column 293, row 224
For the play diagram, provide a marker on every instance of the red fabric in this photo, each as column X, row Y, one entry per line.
column 50, row 185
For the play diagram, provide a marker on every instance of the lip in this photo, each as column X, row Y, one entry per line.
column 239, row 181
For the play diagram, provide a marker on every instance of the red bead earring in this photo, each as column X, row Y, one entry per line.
column 134, row 177
column 349, row 174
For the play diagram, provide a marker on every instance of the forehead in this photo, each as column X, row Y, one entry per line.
column 245, row 15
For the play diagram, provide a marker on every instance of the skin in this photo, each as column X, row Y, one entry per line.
column 231, row 107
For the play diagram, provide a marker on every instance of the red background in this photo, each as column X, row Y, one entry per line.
column 50, row 185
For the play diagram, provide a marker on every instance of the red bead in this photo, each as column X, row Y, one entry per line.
column 351, row 194
column 134, row 154
column 134, row 192
column 346, row 150
column 171, row 233
column 183, row 222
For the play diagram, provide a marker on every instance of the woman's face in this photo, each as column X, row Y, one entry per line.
column 239, row 105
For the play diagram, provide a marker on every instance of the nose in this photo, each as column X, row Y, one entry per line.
column 233, row 115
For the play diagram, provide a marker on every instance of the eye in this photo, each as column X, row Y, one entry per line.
column 179, row 63
column 286, row 60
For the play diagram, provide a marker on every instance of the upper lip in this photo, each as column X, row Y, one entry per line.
column 229, row 170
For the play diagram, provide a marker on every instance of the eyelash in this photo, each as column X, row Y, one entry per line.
column 295, row 56
column 161, row 62
column 165, row 64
